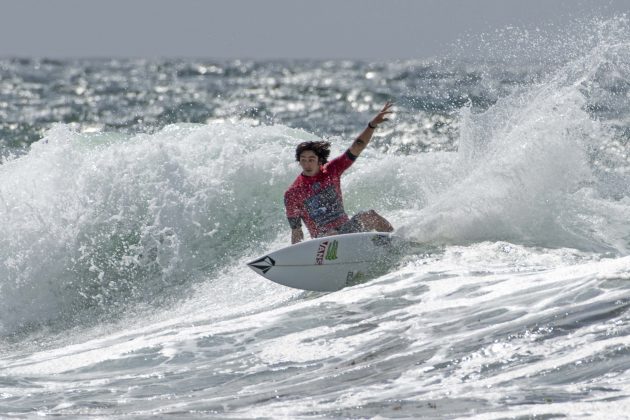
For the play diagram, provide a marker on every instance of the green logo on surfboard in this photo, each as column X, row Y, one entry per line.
column 331, row 252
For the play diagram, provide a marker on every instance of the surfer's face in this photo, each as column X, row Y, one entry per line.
column 309, row 162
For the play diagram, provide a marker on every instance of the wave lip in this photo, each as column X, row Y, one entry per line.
column 98, row 222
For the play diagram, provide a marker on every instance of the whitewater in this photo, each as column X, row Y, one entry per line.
column 133, row 192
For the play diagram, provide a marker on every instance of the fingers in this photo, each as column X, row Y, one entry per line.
column 387, row 108
column 384, row 112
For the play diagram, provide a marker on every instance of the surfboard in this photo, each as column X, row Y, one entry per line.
column 326, row 264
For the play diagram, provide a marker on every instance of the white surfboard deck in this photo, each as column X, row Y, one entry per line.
column 326, row 264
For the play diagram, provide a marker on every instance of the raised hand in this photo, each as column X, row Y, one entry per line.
column 383, row 113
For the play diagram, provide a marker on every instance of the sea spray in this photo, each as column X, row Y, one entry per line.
column 522, row 165
column 97, row 222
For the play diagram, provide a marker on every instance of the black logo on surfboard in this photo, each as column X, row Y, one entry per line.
column 263, row 264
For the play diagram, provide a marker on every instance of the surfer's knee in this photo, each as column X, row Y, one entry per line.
column 371, row 220
column 369, row 215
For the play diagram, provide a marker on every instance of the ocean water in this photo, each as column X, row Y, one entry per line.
column 132, row 192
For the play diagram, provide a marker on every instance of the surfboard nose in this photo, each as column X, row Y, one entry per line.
column 262, row 264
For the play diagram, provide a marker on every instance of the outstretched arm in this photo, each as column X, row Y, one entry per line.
column 366, row 135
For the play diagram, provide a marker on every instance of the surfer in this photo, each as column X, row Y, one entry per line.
column 315, row 195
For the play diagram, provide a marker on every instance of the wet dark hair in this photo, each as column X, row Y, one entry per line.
column 320, row 148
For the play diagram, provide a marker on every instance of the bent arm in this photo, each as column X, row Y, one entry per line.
column 293, row 216
column 364, row 138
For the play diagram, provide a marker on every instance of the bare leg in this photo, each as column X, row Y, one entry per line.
column 371, row 220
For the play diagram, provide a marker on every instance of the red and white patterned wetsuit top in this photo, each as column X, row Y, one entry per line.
column 317, row 199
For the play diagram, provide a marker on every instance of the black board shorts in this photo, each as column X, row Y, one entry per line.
column 353, row 225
